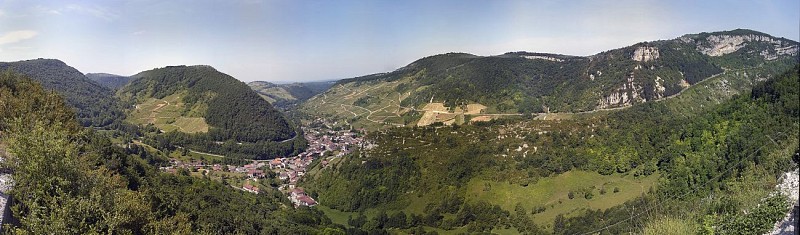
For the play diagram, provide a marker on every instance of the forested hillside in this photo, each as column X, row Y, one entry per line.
column 693, row 169
column 285, row 95
column 525, row 82
column 95, row 105
column 68, row 179
column 240, row 122
column 111, row 81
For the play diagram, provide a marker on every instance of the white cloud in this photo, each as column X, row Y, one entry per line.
column 16, row 36
column 2, row 13
column 140, row 32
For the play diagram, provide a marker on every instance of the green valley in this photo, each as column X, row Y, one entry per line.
column 697, row 134
column 571, row 176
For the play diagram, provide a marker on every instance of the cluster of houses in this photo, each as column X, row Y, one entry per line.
column 299, row 198
column 288, row 169
column 175, row 164
column 321, row 140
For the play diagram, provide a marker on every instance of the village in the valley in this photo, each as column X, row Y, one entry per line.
column 283, row 173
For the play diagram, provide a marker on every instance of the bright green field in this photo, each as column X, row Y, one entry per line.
column 169, row 114
column 552, row 193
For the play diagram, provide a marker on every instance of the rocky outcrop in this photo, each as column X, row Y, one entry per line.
column 5, row 209
column 539, row 57
column 630, row 93
column 788, row 186
column 659, row 89
column 645, row 54
column 719, row 45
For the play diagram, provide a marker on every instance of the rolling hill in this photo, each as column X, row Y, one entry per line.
column 519, row 83
column 594, row 173
column 284, row 95
column 95, row 105
column 202, row 108
column 111, row 81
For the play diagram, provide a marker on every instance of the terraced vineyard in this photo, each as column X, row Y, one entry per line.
column 379, row 104
column 169, row 114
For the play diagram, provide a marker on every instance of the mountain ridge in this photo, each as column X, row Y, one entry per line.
column 238, row 120
column 111, row 81
column 530, row 82
column 95, row 104
column 284, row 95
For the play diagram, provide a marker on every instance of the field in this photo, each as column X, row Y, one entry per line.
column 276, row 91
column 376, row 105
column 475, row 108
column 169, row 114
column 552, row 193
column 371, row 106
column 481, row 119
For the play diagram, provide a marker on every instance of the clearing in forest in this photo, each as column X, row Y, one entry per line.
column 170, row 113
column 552, row 193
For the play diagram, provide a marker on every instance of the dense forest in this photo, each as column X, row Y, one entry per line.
column 111, row 81
column 699, row 156
column 287, row 95
column 95, row 105
column 242, row 123
column 74, row 180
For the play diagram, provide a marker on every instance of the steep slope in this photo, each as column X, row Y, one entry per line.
column 524, row 82
column 577, row 176
column 111, row 81
column 96, row 105
column 283, row 95
column 236, row 119
column 92, row 184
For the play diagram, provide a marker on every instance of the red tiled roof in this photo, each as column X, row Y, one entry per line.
column 308, row 200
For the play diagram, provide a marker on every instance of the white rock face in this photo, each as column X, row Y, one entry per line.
column 659, row 89
column 726, row 44
column 645, row 54
column 788, row 186
column 5, row 186
column 626, row 95
column 539, row 57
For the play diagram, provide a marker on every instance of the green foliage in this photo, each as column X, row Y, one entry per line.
column 72, row 180
column 356, row 186
column 110, row 81
column 695, row 153
column 287, row 95
column 245, row 124
column 94, row 105
column 758, row 220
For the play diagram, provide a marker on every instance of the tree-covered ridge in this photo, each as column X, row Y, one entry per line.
column 73, row 180
column 235, row 111
column 285, row 95
column 704, row 159
column 95, row 105
column 242, row 124
column 525, row 82
column 112, row 81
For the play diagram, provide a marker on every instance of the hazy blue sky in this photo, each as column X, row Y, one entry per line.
column 318, row 40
